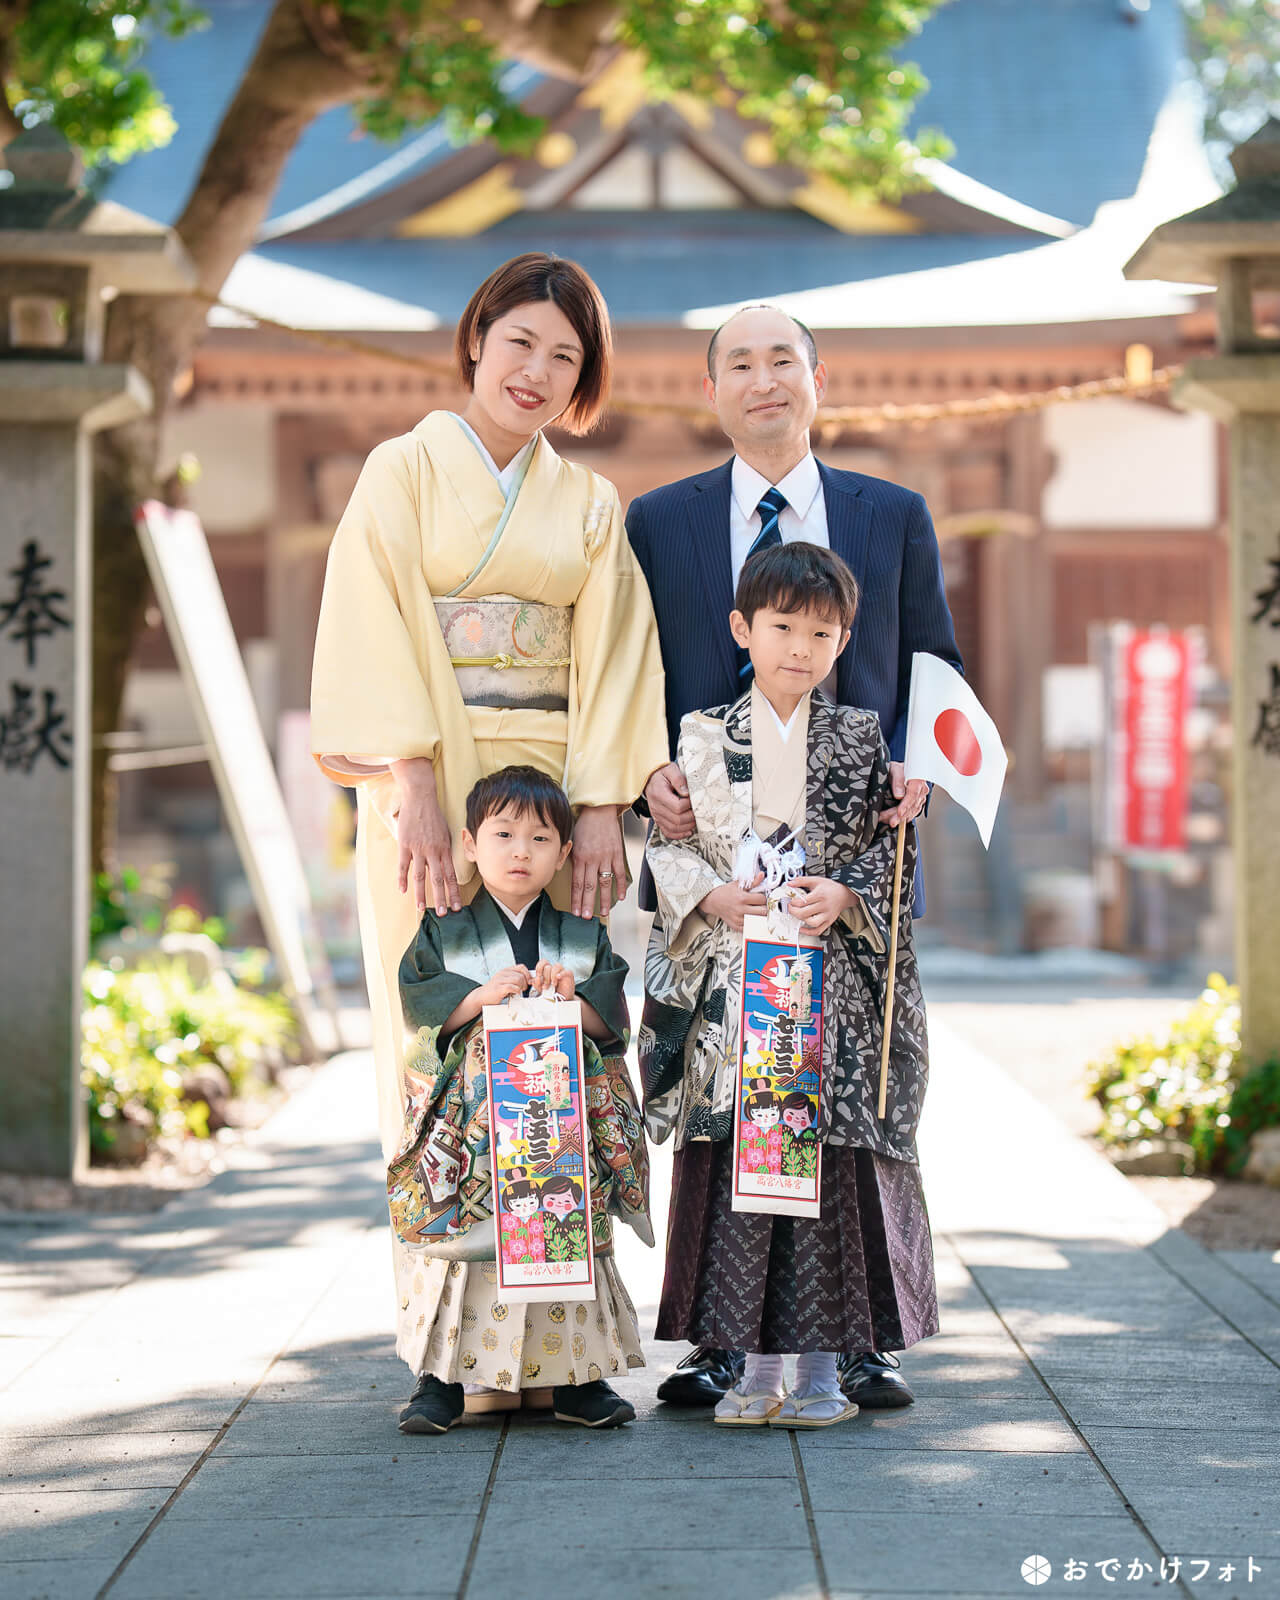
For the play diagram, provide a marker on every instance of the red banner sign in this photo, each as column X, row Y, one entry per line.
column 1157, row 674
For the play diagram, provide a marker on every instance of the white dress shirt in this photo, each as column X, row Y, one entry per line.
column 803, row 517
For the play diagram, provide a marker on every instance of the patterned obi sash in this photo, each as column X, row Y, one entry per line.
column 508, row 653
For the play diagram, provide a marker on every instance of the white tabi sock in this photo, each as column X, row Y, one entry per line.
column 762, row 1375
column 816, row 1374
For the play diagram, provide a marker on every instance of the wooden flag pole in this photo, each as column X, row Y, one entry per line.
column 893, row 969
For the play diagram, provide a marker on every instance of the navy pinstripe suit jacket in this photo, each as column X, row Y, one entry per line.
column 680, row 534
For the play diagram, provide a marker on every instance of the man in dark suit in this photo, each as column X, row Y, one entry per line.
column 765, row 382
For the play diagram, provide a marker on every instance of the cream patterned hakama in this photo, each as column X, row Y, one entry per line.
column 464, row 1334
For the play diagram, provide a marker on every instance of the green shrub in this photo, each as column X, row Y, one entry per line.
column 1190, row 1085
column 145, row 1030
column 1254, row 1105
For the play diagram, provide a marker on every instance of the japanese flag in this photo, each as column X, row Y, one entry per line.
column 953, row 742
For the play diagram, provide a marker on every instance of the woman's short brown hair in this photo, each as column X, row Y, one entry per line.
column 538, row 276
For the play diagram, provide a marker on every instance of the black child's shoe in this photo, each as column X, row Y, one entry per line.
column 871, row 1379
column 702, row 1377
column 594, row 1405
column 433, row 1407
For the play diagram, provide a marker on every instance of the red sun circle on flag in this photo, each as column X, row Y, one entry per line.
column 958, row 742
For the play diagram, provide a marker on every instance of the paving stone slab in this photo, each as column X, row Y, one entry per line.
column 76, row 1579
column 656, row 1515
column 288, row 1559
column 311, row 1378
column 1011, row 1425
column 956, row 1480
column 69, row 1523
column 1111, row 1360
column 1199, row 1405
column 673, row 1447
column 1264, row 1583
column 944, row 1553
column 319, row 1487
column 322, row 1428
column 99, row 1461
column 760, row 1573
column 141, row 1408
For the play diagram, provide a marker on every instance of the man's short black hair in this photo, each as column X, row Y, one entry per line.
column 806, row 337
column 525, row 790
column 798, row 577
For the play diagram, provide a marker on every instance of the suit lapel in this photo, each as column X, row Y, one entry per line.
column 848, row 529
column 708, row 512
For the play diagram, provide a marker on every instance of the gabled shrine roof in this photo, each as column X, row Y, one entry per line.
column 1051, row 105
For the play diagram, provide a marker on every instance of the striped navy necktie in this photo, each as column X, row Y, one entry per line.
column 772, row 504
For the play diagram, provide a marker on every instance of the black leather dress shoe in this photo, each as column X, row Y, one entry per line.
column 434, row 1407
column 702, row 1377
column 871, row 1378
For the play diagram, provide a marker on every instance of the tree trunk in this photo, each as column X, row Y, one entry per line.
column 297, row 72
column 288, row 83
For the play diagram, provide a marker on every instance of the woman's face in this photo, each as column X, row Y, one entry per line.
column 797, row 1121
column 524, row 1206
column 765, row 1116
column 559, row 1205
column 527, row 367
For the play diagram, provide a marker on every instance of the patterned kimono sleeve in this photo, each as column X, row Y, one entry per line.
column 870, row 874
column 681, row 946
column 429, row 993
column 603, row 992
column 682, row 873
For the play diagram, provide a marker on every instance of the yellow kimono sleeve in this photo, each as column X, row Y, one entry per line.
column 368, row 685
column 617, row 731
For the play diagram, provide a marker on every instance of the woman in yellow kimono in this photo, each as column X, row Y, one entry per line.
column 482, row 608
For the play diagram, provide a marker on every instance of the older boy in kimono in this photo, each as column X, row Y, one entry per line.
column 781, row 760
column 470, row 1348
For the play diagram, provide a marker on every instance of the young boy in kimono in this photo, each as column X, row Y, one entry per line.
column 471, row 1350
column 787, row 763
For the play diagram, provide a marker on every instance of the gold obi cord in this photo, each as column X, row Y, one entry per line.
column 509, row 653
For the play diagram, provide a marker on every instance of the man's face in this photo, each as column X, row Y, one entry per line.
column 763, row 389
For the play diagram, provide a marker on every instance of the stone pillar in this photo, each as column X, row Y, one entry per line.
column 1234, row 243
column 1255, row 687
column 61, row 258
column 46, row 555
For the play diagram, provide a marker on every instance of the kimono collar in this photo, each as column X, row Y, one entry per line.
column 474, row 943
column 510, row 475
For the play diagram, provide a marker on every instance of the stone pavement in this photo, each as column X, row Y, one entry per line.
column 201, row 1403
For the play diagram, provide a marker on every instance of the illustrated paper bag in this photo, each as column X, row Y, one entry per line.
column 538, row 1149
column 778, row 1157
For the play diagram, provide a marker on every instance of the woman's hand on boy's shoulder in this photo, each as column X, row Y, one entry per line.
column 820, row 904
